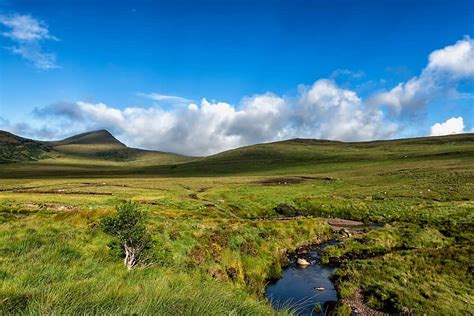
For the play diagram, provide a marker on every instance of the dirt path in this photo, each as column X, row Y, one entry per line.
column 339, row 222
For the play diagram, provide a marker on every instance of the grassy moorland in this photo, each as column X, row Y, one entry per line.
column 217, row 238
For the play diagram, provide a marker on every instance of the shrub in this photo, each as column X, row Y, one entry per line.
column 287, row 210
column 128, row 226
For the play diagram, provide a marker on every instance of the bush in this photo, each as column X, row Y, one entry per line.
column 128, row 226
column 287, row 210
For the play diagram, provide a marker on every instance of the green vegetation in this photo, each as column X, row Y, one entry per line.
column 220, row 226
column 129, row 227
column 409, row 267
column 15, row 149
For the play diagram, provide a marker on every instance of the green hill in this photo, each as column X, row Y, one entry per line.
column 90, row 152
column 16, row 149
column 99, row 153
column 97, row 144
column 303, row 155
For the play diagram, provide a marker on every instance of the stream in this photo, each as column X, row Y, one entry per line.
column 301, row 289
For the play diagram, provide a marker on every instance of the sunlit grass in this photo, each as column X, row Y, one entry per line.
column 218, row 238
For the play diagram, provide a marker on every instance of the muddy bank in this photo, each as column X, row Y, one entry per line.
column 291, row 180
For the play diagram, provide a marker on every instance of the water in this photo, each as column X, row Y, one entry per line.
column 297, row 288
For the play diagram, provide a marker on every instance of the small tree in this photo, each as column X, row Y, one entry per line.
column 128, row 226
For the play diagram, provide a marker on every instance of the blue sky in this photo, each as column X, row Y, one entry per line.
column 251, row 71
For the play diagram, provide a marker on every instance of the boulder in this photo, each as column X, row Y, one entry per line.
column 302, row 262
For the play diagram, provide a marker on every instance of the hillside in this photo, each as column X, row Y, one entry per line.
column 299, row 155
column 100, row 153
column 97, row 145
column 95, row 151
column 15, row 149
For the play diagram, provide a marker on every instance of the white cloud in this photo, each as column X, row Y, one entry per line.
column 407, row 98
column 327, row 111
column 25, row 28
column 454, row 125
column 101, row 113
column 196, row 130
column 322, row 110
column 27, row 33
column 165, row 98
column 34, row 54
column 445, row 68
column 457, row 59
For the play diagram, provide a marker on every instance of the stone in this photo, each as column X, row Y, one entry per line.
column 302, row 262
column 345, row 232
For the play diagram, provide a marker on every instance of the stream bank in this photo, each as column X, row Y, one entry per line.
column 306, row 286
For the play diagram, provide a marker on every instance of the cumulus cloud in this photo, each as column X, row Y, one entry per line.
column 454, row 125
column 445, row 68
column 27, row 33
column 328, row 111
column 199, row 129
column 457, row 59
column 322, row 110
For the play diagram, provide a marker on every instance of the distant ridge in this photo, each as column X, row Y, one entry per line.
column 88, row 152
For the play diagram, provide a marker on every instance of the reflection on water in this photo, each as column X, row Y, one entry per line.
column 298, row 288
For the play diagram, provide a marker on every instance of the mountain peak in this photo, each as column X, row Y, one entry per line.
column 92, row 138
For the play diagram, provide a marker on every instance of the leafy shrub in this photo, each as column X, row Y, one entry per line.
column 128, row 226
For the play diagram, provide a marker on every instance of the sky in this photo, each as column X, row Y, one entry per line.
column 199, row 77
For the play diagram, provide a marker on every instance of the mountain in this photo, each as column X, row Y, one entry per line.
column 100, row 137
column 95, row 147
column 100, row 153
column 102, row 145
column 97, row 144
column 15, row 149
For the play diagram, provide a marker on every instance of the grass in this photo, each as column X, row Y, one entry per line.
column 218, row 238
